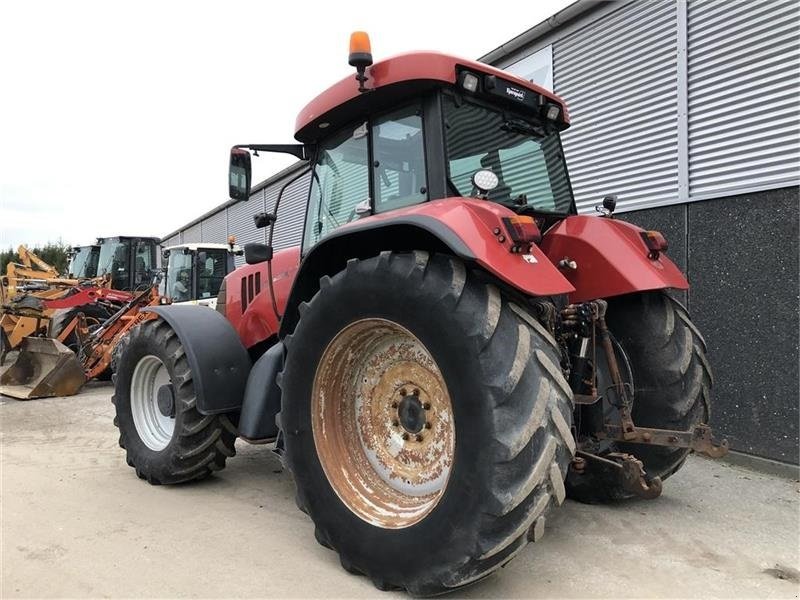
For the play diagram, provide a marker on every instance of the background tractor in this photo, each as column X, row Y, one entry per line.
column 194, row 272
column 451, row 351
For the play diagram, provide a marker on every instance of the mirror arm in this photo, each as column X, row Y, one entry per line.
column 301, row 151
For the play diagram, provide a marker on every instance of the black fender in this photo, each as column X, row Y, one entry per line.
column 219, row 362
column 262, row 397
column 330, row 255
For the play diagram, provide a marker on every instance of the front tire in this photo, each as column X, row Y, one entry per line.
column 164, row 436
column 432, row 513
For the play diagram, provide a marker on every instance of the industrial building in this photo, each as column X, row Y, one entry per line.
column 688, row 111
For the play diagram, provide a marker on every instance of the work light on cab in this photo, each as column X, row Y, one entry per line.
column 469, row 81
column 485, row 181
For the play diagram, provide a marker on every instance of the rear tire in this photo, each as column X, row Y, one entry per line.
column 164, row 449
column 502, row 404
column 672, row 385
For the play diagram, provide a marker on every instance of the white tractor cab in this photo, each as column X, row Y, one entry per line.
column 193, row 273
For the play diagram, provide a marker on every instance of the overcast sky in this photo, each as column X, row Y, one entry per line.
column 117, row 118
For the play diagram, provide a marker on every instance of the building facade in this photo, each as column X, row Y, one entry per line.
column 688, row 111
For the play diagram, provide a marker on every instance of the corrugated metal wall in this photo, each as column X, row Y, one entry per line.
column 173, row 241
column 743, row 96
column 618, row 77
column 240, row 222
column 215, row 228
column 291, row 212
column 192, row 234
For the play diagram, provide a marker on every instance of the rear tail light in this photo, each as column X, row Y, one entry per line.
column 523, row 232
column 656, row 243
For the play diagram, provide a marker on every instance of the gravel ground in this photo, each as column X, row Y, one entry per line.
column 76, row 522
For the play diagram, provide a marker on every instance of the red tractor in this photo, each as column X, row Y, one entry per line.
column 450, row 353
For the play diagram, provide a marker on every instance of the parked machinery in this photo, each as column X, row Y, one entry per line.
column 194, row 272
column 83, row 350
column 450, row 352
column 83, row 262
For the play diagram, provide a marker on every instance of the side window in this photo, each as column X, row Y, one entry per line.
column 399, row 160
column 142, row 265
column 339, row 183
column 210, row 272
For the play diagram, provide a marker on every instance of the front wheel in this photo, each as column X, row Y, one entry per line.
column 164, row 436
column 426, row 420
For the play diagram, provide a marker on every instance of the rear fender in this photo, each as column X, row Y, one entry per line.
column 218, row 360
column 469, row 229
column 611, row 258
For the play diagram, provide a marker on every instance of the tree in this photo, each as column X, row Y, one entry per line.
column 53, row 253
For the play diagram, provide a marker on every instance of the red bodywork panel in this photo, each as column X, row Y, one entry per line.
column 432, row 66
column 257, row 322
column 474, row 223
column 611, row 258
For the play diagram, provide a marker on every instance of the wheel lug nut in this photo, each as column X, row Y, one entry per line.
column 395, row 423
column 427, row 406
column 405, row 436
column 419, row 438
column 394, row 404
column 427, row 425
column 415, row 392
column 403, row 391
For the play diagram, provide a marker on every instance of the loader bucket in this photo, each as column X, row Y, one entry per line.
column 44, row 367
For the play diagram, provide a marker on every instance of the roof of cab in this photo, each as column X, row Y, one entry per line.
column 430, row 66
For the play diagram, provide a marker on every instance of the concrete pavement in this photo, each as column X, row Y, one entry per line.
column 77, row 522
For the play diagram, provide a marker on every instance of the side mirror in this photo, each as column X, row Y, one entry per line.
column 257, row 253
column 239, row 174
column 264, row 219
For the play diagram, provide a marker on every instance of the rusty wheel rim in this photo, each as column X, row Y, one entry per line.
column 383, row 423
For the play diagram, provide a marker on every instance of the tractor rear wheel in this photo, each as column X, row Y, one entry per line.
column 662, row 351
column 426, row 422
column 166, row 439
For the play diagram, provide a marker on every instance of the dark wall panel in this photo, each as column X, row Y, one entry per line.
column 743, row 264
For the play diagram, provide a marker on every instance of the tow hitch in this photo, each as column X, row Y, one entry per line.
column 700, row 439
column 626, row 468
column 589, row 320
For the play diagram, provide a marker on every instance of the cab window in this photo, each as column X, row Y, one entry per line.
column 398, row 160
column 339, row 183
column 211, row 267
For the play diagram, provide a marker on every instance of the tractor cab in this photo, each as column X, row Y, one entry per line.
column 194, row 272
column 423, row 127
column 83, row 262
column 128, row 261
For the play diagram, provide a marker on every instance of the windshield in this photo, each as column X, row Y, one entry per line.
column 179, row 276
column 113, row 261
column 84, row 262
column 527, row 160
